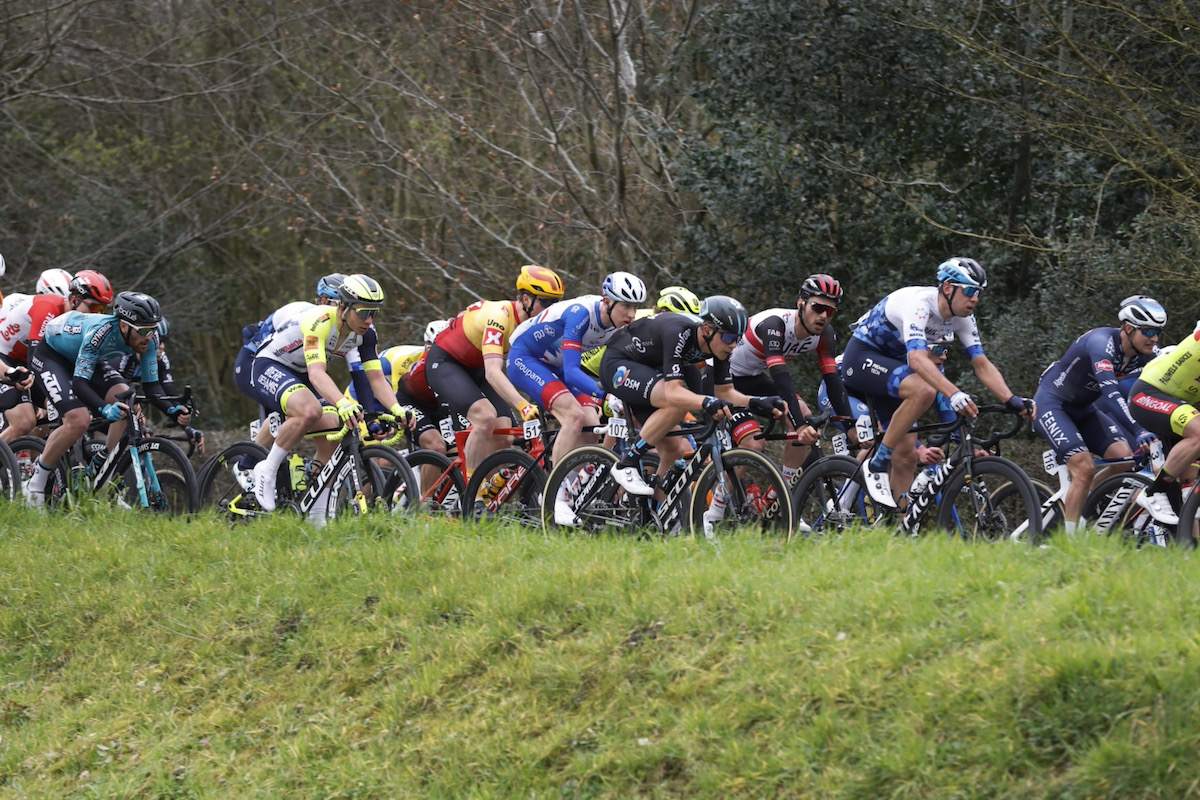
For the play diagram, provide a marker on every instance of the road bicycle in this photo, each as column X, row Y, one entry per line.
column 958, row 494
column 748, row 484
column 142, row 471
column 360, row 478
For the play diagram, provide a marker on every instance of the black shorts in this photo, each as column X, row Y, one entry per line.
column 461, row 387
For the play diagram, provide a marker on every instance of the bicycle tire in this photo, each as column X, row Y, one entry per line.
column 399, row 492
column 518, row 497
column 218, row 487
column 968, row 508
column 444, row 497
column 1111, row 505
column 1051, row 517
column 10, row 473
column 602, row 506
column 770, row 511
column 830, row 498
column 177, row 492
column 26, row 451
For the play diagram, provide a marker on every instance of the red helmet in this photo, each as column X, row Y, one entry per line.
column 821, row 285
column 91, row 285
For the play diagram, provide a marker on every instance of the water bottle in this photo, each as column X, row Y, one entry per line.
column 495, row 483
column 299, row 472
column 672, row 474
column 921, row 482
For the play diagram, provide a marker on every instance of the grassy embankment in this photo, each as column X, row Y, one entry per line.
column 149, row 658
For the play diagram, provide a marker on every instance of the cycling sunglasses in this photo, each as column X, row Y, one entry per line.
column 968, row 291
column 939, row 350
column 822, row 308
column 146, row 331
column 366, row 313
column 730, row 338
column 1151, row 333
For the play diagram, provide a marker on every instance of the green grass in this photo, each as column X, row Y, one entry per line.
column 143, row 658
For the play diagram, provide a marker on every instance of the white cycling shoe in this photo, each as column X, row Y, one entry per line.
column 264, row 485
column 33, row 497
column 630, row 479
column 1159, row 507
column 244, row 477
column 879, row 486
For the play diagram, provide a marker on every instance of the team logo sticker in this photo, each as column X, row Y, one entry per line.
column 493, row 337
column 619, row 376
column 1103, row 365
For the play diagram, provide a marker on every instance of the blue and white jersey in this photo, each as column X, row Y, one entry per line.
column 558, row 336
column 908, row 319
column 88, row 339
column 278, row 319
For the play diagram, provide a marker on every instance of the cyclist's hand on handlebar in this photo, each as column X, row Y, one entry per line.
column 114, row 411
column 196, row 438
column 716, row 408
column 19, row 377
column 349, row 411
column 962, row 403
column 180, row 415
column 928, row 456
column 1145, row 440
column 529, row 412
column 405, row 416
column 772, row 406
column 1023, row 404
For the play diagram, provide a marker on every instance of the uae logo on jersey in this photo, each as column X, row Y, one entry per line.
column 1103, row 365
column 493, row 337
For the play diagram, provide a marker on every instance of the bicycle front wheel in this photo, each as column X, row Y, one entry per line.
column 507, row 485
column 27, row 450
column 399, row 492
column 10, row 473
column 167, row 475
column 594, row 502
column 754, row 494
column 831, row 497
column 440, row 483
column 225, row 478
column 971, row 507
column 1110, row 508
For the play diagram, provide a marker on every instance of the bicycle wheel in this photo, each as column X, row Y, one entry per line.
column 169, row 468
column 1111, row 508
column 1187, row 533
column 1051, row 510
column 970, row 508
column 345, row 499
column 756, row 494
column 507, row 485
column 598, row 503
column 399, row 492
column 26, row 451
column 830, row 497
column 219, row 485
column 440, row 483
column 10, row 473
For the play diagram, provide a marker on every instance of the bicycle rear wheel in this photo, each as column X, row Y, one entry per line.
column 440, row 483
column 399, row 491
column 830, row 497
column 169, row 468
column 507, row 485
column 1110, row 508
column 599, row 504
column 971, row 508
column 755, row 495
column 219, row 484
column 26, row 451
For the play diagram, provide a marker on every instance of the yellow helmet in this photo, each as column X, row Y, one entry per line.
column 677, row 298
column 539, row 281
column 360, row 290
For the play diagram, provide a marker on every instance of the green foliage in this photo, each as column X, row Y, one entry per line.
column 428, row 660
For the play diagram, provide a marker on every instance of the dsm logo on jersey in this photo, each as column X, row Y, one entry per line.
column 619, row 376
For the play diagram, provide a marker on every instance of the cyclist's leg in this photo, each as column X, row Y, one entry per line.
column 1058, row 427
column 278, row 388
column 1177, row 425
column 20, row 416
column 53, row 376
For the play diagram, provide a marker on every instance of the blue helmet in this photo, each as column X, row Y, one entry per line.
column 164, row 329
column 328, row 286
column 964, row 271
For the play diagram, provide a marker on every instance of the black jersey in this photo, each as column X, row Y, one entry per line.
column 669, row 342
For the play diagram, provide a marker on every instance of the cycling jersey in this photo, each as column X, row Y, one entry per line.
column 1089, row 373
column 667, row 341
column 254, row 336
column 558, row 336
column 314, row 336
column 395, row 362
column 1178, row 372
column 590, row 362
column 24, row 321
column 86, row 340
column 482, row 331
column 908, row 319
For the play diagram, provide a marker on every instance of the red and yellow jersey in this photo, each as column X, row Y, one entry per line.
column 482, row 331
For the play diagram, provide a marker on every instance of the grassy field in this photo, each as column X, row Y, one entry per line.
column 158, row 659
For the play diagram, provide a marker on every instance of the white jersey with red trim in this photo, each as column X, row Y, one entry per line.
column 771, row 339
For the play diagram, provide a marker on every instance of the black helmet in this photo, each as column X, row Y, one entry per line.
column 138, row 309
column 821, row 285
column 726, row 313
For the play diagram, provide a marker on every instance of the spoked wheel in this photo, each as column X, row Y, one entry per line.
column 594, row 502
column 971, row 508
column 10, row 474
column 399, row 492
column 830, row 497
column 26, row 452
column 440, row 483
column 754, row 494
column 507, row 485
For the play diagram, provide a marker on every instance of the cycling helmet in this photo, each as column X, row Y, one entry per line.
column 164, row 329
column 679, row 299
column 54, row 281
column 360, row 290
column 3, row 266
column 434, row 328
column 1142, row 312
column 91, row 285
column 327, row 287
column 539, row 281
column 624, row 288
column 726, row 313
column 965, row 271
column 821, row 285
column 138, row 309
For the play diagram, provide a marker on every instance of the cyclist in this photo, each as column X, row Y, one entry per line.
column 51, row 281
column 72, row 370
column 887, row 360
column 290, row 375
column 651, row 366
column 1163, row 400
column 759, row 363
column 22, row 324
column 465, row 366
column 1081, row 409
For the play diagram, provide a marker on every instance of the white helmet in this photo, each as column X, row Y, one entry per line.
column 434, row 328
column 54, row 281
column 1142, row 312
column 3, row 266
column 624, row 288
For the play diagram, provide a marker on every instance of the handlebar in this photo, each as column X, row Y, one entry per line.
column 939, row 433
